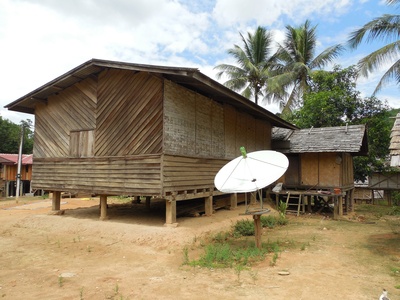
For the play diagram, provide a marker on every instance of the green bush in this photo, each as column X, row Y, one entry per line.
column 243, row 228
column 395, row 211
column 246, row 227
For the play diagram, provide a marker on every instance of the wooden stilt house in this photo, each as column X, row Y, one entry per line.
column 321, row 160
column 114, row 128
column 8, row 174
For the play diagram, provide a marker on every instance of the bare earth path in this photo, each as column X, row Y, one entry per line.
column 133, row 256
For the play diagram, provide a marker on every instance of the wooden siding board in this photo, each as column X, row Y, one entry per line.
column 187, row 173
column 71, row 109
column 310, row 169
column 130, row 110
column 119, row 175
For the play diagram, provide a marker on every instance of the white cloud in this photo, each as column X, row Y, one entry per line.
column 42, row 39
column 230, row 12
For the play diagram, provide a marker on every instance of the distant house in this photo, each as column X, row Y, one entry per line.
column 386, row 182
column 114, row 128
column 8, row 174
column 321, row 158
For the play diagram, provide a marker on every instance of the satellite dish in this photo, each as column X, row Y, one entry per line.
column 251, row 171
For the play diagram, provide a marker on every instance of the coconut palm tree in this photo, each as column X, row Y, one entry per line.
column 297, row 60
column 386, row 27
column 254, row 64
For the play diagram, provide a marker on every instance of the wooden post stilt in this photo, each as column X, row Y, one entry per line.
column 233, row 201
column 208, row 202
column 340, row 205
column 103, row 207
column 56, row 201
column 148, row 202
column 373, row 196
column 389, row 197
column 257, row 230
column 170, row 212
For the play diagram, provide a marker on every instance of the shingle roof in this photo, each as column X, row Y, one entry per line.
column 12, row 159
column 349, row 139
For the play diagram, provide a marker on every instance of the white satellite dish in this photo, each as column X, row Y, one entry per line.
column 251, row 171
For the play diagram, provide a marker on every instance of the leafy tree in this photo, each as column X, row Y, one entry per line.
column 10, row 137
column 254, row 60
column 297, row 60
column 330, row 100
column 387, row 28
column 334, row 101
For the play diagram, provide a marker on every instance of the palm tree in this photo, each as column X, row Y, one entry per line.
column 297, row 60
column 254, row 62
column 386, row 27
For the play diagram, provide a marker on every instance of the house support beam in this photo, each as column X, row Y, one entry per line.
column 56, row 201
column 170, row 212
column 233, row 199
column 103, row 207
column 208, row 202
column 148, row 202
column 338, row 207
column 257, row 230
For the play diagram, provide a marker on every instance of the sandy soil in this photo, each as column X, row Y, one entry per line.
column 134, row 256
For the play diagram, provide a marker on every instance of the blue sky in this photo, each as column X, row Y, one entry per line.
column 42, row 39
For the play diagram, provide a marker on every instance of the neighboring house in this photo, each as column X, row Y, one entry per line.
column 321, row 158
column 114, row 128
column 8, row 174
column 386, row 182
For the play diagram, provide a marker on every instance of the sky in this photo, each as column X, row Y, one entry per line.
column 43, row 39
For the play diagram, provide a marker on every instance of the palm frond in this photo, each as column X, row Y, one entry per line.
column 386, row 27
column 392, row 73
column 374, row 60
column 327, row 56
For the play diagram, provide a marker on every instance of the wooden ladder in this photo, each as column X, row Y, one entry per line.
column 294, row 203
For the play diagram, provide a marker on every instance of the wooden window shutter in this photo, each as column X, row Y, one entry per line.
column 81, row 143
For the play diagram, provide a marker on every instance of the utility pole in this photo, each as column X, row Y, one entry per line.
column 20, row 161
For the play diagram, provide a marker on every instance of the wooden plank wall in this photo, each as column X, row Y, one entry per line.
column 347, row 177
column 309, row 164
column 72, row 109
column 10, row 172
column 320, row 169
column 188, row 174
column 129, row 114
column 135, row 175
column 385, row 181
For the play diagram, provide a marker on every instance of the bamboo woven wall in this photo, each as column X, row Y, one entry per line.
column 72, row 109
column 138, row 175
column 129, row 114
column 195, row 125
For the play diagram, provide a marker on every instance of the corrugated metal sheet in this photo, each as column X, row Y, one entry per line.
column 7, row 158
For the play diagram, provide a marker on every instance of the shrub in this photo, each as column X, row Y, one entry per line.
column 243, row 228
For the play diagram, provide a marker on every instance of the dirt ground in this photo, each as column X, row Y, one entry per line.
column 134, row 256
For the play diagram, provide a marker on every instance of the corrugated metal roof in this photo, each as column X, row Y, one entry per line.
column 349, row 139
column 191, row 78
column 7, row 158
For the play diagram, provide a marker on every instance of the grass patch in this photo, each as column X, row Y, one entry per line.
column 246, row 227
column 236, row 248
